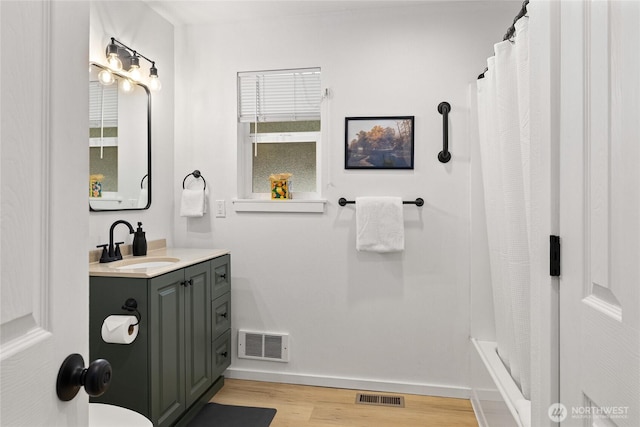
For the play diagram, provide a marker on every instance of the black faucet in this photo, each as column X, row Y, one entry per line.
column 114, row 254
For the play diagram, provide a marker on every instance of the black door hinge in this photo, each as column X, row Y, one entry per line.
column 554, row 256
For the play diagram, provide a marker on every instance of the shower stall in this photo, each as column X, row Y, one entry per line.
column 558, row 130
column 510, row 99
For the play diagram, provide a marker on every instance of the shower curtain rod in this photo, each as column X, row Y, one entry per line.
column 511, row 30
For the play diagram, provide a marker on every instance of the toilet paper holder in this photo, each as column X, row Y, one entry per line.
column 132, row 305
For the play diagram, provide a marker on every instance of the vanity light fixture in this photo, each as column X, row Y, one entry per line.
column 122, row 57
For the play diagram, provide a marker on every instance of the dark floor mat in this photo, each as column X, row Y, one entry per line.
column 217, row 415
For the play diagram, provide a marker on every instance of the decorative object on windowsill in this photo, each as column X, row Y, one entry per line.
column 194, row 201
column 280, row 186
column 95, row 185
column 122, row 57
column 444, row 108
column 379, row 142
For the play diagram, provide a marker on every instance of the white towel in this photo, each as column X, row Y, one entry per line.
column 192, row 203
column 143, row 197
column 379, row 224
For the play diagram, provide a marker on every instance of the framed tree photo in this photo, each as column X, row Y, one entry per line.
column 379, row 142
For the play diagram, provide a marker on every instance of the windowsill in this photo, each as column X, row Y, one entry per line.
column 267, row 205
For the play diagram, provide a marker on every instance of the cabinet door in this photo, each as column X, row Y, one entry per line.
column 167, row 344
column 197, row 330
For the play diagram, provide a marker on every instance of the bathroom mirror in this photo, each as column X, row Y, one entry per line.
column 119, row 142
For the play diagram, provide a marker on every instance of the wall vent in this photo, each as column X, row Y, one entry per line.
column 263, row 346
column 380, row 400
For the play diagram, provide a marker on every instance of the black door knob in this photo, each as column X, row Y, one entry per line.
column 73, row 375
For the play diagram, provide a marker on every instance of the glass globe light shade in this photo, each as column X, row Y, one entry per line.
column 154, row 83
column 134, row 73
column 106, row 78
column 114, row 62
column 127, row 85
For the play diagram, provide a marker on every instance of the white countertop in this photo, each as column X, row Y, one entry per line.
column 186, row 256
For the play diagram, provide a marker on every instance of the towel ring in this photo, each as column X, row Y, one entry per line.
column 196, row 173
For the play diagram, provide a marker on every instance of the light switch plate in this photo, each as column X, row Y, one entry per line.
column 221, row 211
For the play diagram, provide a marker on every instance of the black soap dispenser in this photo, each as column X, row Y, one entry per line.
column 139, row 242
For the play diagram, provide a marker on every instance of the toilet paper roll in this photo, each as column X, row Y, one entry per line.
column 120, row 329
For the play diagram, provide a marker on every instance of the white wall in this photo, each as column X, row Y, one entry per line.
column 138, row 26
column 398, row 321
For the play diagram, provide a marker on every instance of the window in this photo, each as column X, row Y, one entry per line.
column 103, row 115
column 103, row 134
column 279, row 130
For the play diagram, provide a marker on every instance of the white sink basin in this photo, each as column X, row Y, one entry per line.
column 147, row 262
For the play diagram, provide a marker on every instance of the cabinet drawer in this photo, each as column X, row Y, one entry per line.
column 220, row 315
column 221, row 353
column 221, row 276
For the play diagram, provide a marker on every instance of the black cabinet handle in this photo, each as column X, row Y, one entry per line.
column 223, row 354
column 223, row 315
column 223, row 276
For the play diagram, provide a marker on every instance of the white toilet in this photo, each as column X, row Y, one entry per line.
column 103, row 415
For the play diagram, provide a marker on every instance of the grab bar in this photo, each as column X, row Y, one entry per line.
column 418, row 202
column 444, row 108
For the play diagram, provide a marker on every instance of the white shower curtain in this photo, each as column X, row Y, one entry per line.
column 503, row 117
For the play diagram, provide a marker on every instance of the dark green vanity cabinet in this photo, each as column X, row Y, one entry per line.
column 184, row 340
column 180, row 359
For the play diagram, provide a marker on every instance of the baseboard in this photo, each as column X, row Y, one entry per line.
column 349, row 383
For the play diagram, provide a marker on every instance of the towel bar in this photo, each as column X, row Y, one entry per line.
column 418, row 202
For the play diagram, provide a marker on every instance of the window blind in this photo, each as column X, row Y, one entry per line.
column 277, row 96
column 103, row 114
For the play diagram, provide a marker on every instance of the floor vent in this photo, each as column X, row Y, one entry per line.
column 263, row 346
column 380, row 400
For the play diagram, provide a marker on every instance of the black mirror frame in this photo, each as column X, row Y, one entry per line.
column 148, row 176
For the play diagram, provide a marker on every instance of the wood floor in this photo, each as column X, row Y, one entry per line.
column 302, row 406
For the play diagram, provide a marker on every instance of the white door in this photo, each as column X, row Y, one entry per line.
column 600, row 213
column 44, row 207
